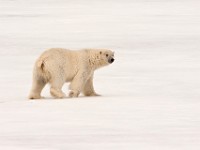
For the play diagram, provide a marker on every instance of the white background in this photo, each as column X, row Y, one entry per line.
column 150, row 94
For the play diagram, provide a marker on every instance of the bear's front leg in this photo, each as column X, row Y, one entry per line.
column 77, row 84
column 88, row 89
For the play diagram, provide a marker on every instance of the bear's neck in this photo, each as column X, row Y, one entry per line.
column 95, row 61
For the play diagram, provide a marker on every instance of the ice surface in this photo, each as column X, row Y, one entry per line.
column 150, row 95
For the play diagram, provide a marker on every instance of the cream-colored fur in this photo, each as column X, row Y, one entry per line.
column 57, row 66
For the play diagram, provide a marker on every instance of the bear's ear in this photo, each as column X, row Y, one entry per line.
column 100, row 52
column 113, row 53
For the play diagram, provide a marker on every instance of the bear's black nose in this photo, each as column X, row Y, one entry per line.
column 112, row 60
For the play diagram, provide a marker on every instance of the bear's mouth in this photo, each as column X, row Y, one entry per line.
column 111, row 60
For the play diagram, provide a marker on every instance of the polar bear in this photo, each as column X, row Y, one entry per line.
column 57, row 66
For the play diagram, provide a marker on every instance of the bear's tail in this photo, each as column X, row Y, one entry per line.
column 40, row 65
column 41, row 70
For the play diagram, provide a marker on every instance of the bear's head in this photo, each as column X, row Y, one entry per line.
column 106, row 56
column 100, row 57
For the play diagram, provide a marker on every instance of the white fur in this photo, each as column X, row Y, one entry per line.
column 57, row 66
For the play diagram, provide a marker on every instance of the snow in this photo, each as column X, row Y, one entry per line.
column 150, row 94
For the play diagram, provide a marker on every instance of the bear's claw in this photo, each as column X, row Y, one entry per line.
column 73, row 93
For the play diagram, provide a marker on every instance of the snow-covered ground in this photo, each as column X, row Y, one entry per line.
column 150, row 95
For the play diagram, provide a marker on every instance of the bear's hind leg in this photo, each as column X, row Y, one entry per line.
column 77, row 84
column 37, row 86
column 56, row 88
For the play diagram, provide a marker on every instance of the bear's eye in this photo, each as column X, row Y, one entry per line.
column 106, row 55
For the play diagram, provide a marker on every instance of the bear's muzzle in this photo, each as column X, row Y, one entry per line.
column 111, row 60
